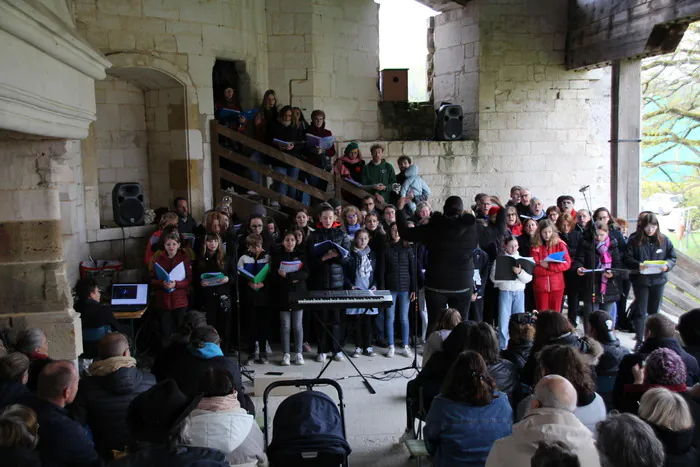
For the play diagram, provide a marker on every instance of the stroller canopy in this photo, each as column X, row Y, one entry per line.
column 308, row 422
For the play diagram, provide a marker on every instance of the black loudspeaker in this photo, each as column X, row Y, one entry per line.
column 448, row 126
column 127, row 204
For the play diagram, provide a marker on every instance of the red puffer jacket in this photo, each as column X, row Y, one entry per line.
column 552, row 278
column 177, row 298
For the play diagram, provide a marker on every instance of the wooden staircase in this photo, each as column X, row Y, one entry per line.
column 682, row 292
column 232, row 149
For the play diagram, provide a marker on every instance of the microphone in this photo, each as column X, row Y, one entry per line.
column 584, row 188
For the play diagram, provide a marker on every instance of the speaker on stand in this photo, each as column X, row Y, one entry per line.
column 127, row 204
column 448, row 124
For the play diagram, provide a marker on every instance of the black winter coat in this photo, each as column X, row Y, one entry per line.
column 377, row 240
column 505, row 375
column 205, row 295
column 691, row 364
column 492, row 236
column 63, row 442
column 650, row 250
column 102, row 403
column 19, row 456
column 450, row 241
column 353, row 265
column 482, row 263
column 678, row 446
column 517, row 355
column 396, row 264
column 587, row 257
column 10, row 392
column 182, row 456
column 524, row 245
column 326, row 275
column 571, row 279
column 294, row 282
column 609, row 363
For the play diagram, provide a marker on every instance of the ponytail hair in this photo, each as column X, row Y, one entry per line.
column 469, row 381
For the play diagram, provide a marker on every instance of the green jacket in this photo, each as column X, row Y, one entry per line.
column 382, row 173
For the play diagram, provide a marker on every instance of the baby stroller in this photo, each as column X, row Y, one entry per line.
column 308, row 429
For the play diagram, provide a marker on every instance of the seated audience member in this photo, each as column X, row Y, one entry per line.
column 219, row 422
column 14, row 374
column 432, row 375
column 659, row 332
column 626, row 441
column 603, row 331
column 32, row 343
column 551, row 418
column 412, row 185
column 515, row 226
column 96, row 318
column 186, row 223
column 521, row 329
column 104, row 396
column 689, row 329
column 514, row 196
column 169, row 357
column 669, row 416
column 569, row 363
column 63, row 441
column 159, row 425
column 565, row 203
column 554, row 454
column 468, row 416
column 204, row 352
column 554, row 328
column 379, row 175
column 169, row 219
column 523, row 207
column 483, row 340
column 18, row 437
column 446, row 322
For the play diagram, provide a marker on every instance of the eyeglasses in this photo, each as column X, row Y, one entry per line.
column 256, row 226
column 352, row 216
column 512, row 214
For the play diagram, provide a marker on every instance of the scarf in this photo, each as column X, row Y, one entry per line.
column 207, row 351
column 219, row 403
column 110, row 365
column 352, row 229
column 365, row 266
column 604, row 262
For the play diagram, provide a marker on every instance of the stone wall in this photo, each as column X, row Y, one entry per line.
column 121, row 140
column 537, row 124
column 330, row 49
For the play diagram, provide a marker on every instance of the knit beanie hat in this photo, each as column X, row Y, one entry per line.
column 494, row 210
column 665, row 367
column 350, row 147
column 453, row 206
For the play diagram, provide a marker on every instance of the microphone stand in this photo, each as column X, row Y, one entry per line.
column 245, row 371
column 416, row 316
column 594, row 233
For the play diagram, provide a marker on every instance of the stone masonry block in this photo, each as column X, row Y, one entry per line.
column 411, row 148
column 189, row 44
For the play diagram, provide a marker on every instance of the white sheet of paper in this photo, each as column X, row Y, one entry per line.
column 178, row 273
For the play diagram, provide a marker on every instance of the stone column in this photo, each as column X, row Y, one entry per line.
column 34, row 290
column 625, row 138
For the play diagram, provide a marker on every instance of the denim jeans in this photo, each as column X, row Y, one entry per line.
column 400, row 301
column 291, row 320
column 291, row 172
column 260, row 159
column 509, row 303
column 311, row 180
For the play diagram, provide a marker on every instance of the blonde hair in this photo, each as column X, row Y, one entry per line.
column 553, row 241
column 666, row 409
column 169, row 218
column 350, row 209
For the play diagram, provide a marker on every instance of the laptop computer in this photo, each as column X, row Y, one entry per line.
column 129, row 297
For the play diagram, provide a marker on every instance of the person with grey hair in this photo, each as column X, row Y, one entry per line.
column 626, row 441
column 554, row 454
column 14, row 374
column 669, row 416
column 551, row 418
column 32, row 342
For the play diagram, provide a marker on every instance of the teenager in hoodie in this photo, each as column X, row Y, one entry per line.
column 379, row 175
column 450, row 239
column 412, row 185
column 326, row 273
column 511, row 296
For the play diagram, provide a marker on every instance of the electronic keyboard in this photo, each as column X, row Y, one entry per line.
column 342, row 299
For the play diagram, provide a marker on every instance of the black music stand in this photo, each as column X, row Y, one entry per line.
column 245, row 371
column 342, row 350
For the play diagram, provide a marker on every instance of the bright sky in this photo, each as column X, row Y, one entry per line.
column 403, row 26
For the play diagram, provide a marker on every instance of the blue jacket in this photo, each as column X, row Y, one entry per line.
column 460, row 434
column 63, row 442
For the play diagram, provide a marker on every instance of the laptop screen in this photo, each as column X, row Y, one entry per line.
column 129, row 294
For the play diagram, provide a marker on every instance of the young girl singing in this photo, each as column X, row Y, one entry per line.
column 361, row 274
column 214, row 299
column 352, row 220
column 511, row 296
column 171, row 297
column 287, row 278
column 549, row 275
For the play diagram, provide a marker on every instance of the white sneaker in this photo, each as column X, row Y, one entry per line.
column 257, row 347
column 274, row 204
column 406, row 351
column 299, row 360
column 391, row 352
column 252, row 193
column 285, row 360
column 338, row 357
column 321, row 358
column 369, row 351
column 357, row 353
column 268, row 349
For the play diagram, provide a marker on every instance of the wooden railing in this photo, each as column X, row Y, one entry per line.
column 682, row 293
column 337, row 187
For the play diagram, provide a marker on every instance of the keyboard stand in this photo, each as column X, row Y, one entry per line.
column 342, row 350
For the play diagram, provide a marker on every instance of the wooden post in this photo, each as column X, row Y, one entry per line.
column 216, row 177
column 338, row 185
column 625, row 139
